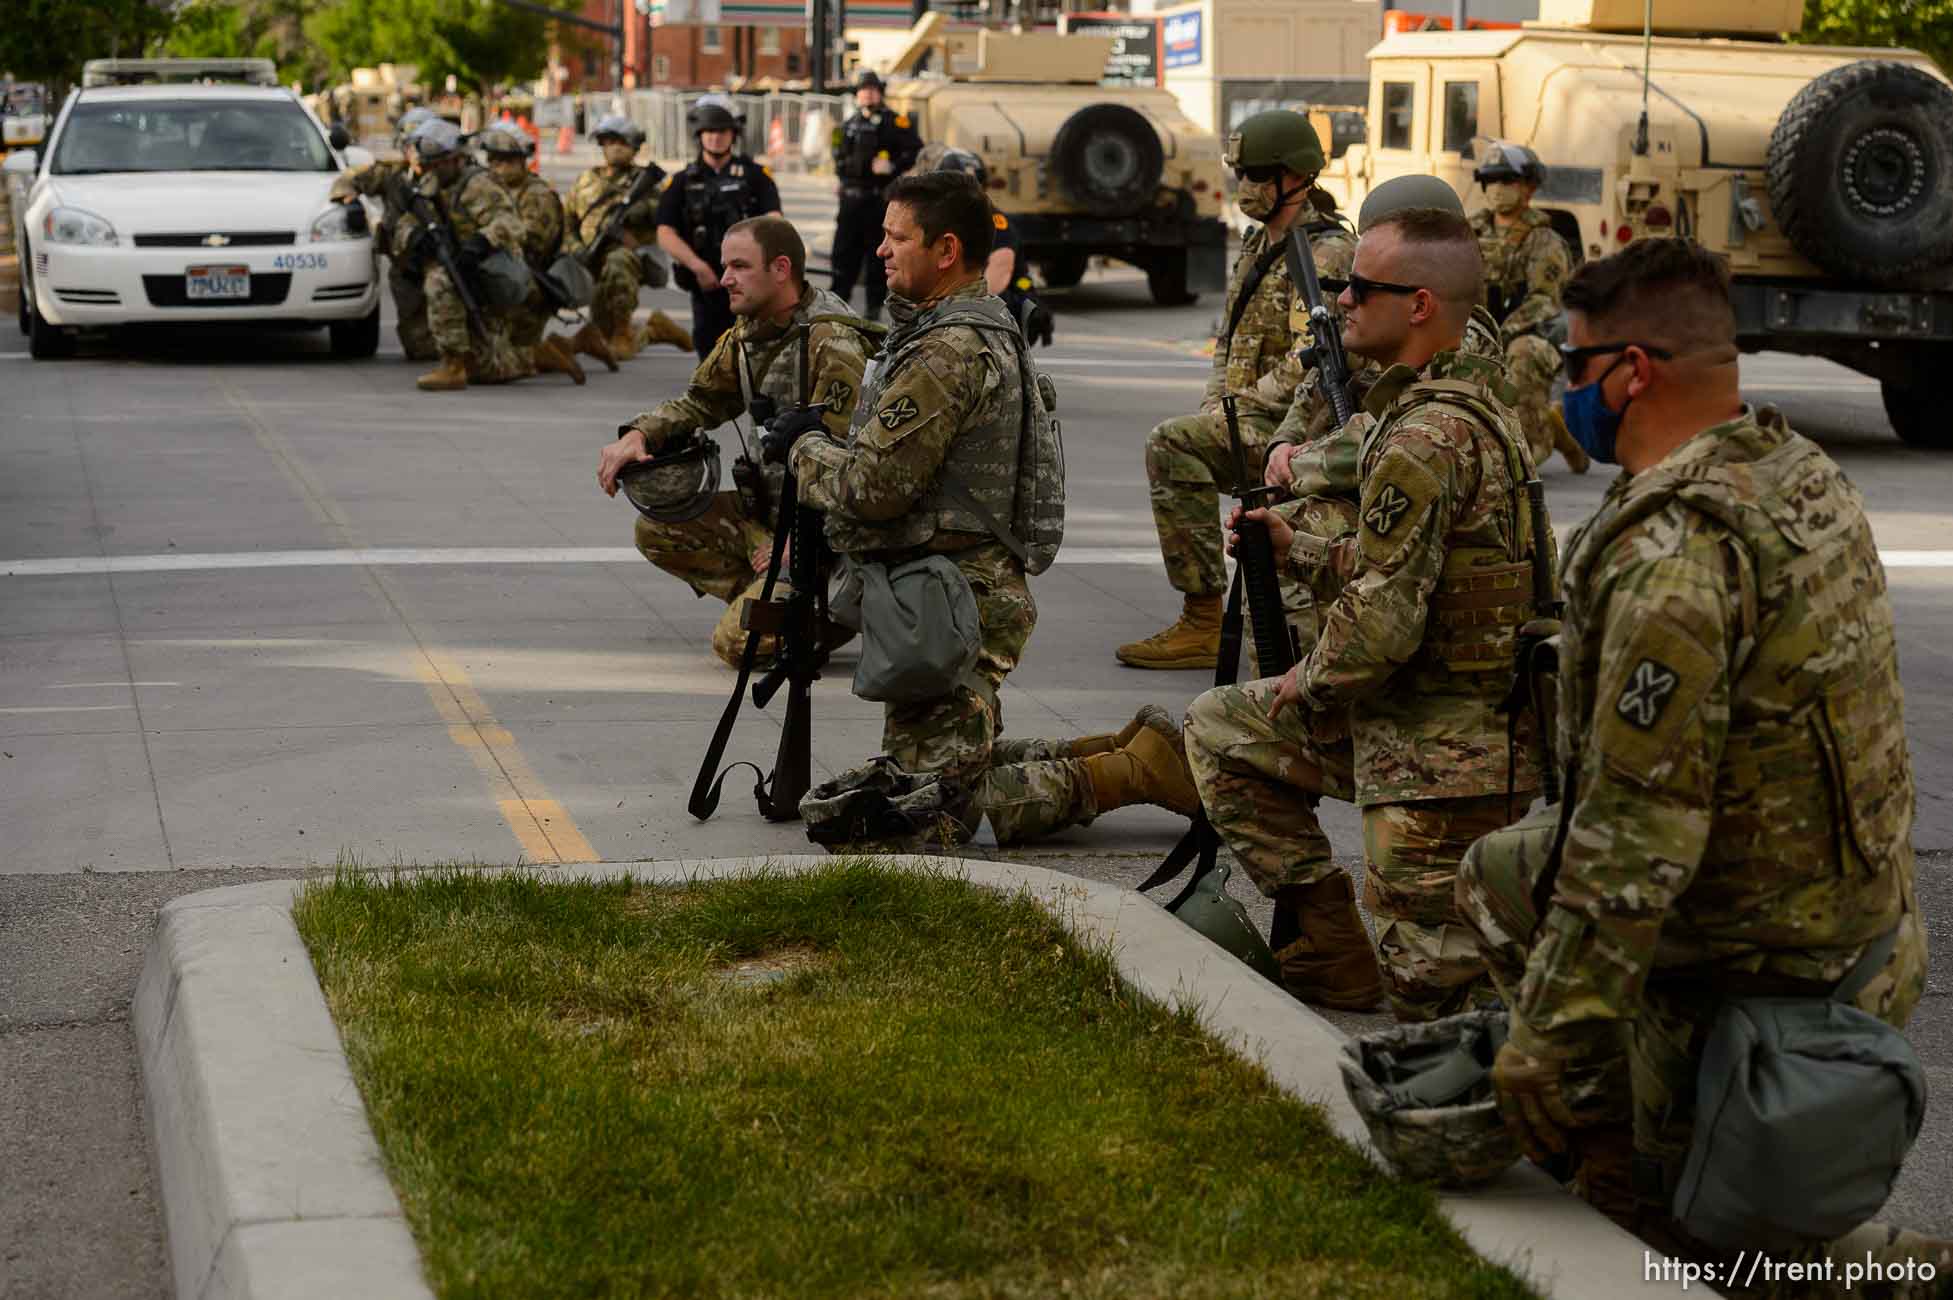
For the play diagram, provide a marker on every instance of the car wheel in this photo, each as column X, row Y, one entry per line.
column 1919, row 415
column 1063, row 270
column 1166, row 278
column 354, row 339
column 46, row 342
column 1108, row 159
column 1861, row 171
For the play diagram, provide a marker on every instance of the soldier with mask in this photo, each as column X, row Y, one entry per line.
column 780, row 319
column 1526, row 262
column 871, row 149
column 1189, row 462
column 542, row 237
column 1397, row 705
column 611, row 334
column 717, row 190
column 482, row 219
column 1738, row 807
column 381, row 179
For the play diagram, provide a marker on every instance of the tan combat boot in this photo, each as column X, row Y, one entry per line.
column 1194, row 640
column 1577, row 459
column 663, row 329
column 590, row 341
column 1331, row 963
column 626, row 343
column 448, row 377
column 552, row 356
column 1150, row 768
column 1149, row 716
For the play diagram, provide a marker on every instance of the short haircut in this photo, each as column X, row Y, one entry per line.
column 776, row 238
column 1440, row 253
column 1673, row 292
column 949, row 203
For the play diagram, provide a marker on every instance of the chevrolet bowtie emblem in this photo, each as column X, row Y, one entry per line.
column 216, row 241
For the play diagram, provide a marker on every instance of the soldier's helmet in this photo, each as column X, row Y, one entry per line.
column 676, row 485
column 503, row 142
column 1207, row 907
column 1505, row 161
column 878, row 803
column 1401, row 192
column 1276, row 136
column 618, row 127
column 962, row 160
column 1425, row 1093
column 712, row 113
column 435, row 140
column 411, row 121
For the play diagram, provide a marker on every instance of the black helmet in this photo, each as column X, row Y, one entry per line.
column 678, row 483
column 1505, row 161
column 868, row 78
column 712, row 113
column 962, row 160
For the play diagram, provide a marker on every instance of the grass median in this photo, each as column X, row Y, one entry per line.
column 854, row 1082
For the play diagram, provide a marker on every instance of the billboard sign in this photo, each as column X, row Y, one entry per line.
column 1180, row 39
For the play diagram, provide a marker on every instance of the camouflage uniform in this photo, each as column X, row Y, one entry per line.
column 1525, row 267
column 542, row 238
column 713, row 553
column 1188, row 458
column 588, row 210
column 476, row 204
column 944, row 398
column 1741, row 810
column 1399, row 697
column 396, row 232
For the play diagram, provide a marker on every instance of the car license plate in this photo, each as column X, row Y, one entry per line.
column 217, row 282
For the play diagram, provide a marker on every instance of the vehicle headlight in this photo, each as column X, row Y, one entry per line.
column 340, row 221
column 74, row 226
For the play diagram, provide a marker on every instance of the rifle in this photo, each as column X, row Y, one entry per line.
column 1536, row 656
column 647, row 179
column 437, row 237
column 796, row 622
column 1275, row 653
column 1332, row 362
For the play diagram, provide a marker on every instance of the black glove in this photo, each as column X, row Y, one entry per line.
column 1037, row 324
column 787, row 428
column 473, row 253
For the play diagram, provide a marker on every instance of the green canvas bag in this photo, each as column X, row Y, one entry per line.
column 920, row 632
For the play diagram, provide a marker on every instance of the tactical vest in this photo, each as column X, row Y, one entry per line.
column 1815, row 704
column 1505, row 289
column 772, row 367
column 454, row 212
column 1485, row 592
column 983, row 457
column 714, row 203
column 548, row 255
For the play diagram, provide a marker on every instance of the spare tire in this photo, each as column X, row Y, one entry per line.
column 1108, row 160
column 1861, row 171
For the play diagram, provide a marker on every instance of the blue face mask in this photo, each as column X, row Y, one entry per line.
column 1590, row 421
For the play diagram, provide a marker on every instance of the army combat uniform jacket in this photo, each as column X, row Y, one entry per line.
column 542, row 220
column 588, row 209
column 1263, row 362
column 1526, row 265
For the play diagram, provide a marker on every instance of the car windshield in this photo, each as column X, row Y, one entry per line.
column 181, row 135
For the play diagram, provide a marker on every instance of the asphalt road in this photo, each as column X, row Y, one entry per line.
column 261, row 611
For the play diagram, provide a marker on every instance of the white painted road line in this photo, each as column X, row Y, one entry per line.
column 68, row 708
column 401, row 557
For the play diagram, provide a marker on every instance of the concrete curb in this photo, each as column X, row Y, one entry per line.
column 272, row 1182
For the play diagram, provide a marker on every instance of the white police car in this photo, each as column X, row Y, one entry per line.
column 189, row 191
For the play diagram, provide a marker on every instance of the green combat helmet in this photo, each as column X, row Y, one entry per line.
column 501, row 142
column 1217, row 915
column 1425, row 1093
column 1402, row 192
column 1277, row 136
column 878, row 806
column 678, row 483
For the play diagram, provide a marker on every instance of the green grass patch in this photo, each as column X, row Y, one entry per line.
column 855, row 1082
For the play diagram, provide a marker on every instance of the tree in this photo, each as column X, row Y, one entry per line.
column 49, row 40
column 264, row 29
column 478, row 42
column 1924, row 25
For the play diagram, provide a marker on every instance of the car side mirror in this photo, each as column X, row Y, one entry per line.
column 22, row 162
column 338, row 137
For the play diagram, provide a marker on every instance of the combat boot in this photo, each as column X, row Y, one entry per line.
column 1194, row 640
column 1149, row 716
column 448, row 377
column 626, row 342
column 1150, row 768
column 1326, row 958
column 663, row 329
column 551, row 357
column 590, row 341
column 1577, row 459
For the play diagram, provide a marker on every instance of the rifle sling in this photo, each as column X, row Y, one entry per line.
column 1263, row 266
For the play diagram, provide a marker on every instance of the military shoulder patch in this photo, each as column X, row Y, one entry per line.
column 1387, row 510
column 1000, row 221
column 839, row 396
column 1652, row 686
column 1646, row 693
column 902, row 120
column 897, row 413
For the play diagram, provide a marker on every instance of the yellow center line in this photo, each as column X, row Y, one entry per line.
column 540, row 824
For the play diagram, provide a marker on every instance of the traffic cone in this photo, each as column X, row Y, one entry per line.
column 565, row 139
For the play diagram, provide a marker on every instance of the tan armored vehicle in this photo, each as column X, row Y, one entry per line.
column 1079, row 168
column 1824, row 173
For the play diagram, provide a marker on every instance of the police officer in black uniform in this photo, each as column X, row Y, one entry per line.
column 1005, row 274
column 716, row 190
column 871, row 149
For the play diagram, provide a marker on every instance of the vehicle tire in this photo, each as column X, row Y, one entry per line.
column 1919, row 415
column 46, row 342
column 1108, row 159
column 355, row 339
column 1063, row 271
column 1861, row 171
column 1166, row 277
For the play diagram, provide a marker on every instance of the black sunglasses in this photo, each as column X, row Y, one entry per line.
column 1361, row 287
column 1574, row 360
column 1260, row 174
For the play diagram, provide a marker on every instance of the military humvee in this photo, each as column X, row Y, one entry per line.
column 1825, row 174
column 1079, row 168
